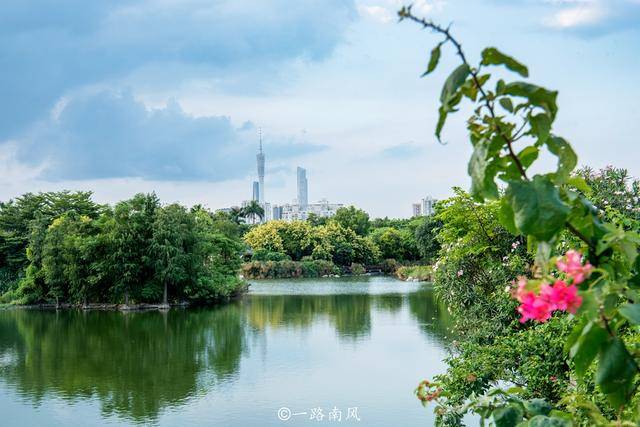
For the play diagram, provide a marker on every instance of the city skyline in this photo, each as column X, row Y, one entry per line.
column 144, row 118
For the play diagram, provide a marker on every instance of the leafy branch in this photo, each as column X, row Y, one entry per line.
column 541, row 207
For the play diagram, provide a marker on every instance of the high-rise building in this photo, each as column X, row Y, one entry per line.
column 428, row 206
column 303, row 195
column 256, row 191
column 260, row 161
column 277, row 212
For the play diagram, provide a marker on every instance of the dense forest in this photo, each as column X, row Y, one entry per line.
column 61, row 247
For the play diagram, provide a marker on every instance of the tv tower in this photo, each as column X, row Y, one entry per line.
column 260, row 161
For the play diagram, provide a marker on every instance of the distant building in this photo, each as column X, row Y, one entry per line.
column 303, row 191
column 277, row 212
column 260, row 161
column 426, row 207
column 322, row 209
column 256, row 191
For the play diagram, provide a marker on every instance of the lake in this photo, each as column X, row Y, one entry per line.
column 353, row 348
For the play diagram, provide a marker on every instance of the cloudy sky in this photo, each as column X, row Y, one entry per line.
column 168, row 95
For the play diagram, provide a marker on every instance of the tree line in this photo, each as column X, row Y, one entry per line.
column 63, row 247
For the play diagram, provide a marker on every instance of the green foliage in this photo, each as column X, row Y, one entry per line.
column 78, row 252
column 353, row 218
column 299, row 239
column 423, row 273
column 510, row 124
column 288, row 269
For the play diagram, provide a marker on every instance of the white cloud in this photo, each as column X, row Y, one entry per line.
column 377, row 13
column 385, row 11
column 584, row 13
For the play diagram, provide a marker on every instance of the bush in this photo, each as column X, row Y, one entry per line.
column 421, row 272
column 389, row 266
column 357, row 269
column 267, row 255
column 288, row 269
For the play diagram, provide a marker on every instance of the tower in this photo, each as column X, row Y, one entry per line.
column 256, row 191
column 303, row 198
column 260, row 161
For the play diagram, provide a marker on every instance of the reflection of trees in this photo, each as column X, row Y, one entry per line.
column 135, row 363
column 433, row 317
column 350, row 314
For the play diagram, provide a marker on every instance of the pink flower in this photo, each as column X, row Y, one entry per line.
column 534, row 307
column 571, row 264
column 561, row 296
column 521, row 291
column 460, row 273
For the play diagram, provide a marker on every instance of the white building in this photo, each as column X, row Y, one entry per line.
column 296, row 212
column 426, row 207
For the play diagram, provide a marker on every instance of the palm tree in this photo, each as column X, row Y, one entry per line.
column 236, row 214
column 253, row 210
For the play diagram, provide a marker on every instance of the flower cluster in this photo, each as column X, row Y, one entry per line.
column 562, row 295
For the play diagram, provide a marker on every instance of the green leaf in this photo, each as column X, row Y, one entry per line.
column 540, row 127
column 631, row 312
column 492, row 56
column 506, row 217
column 586, row 346
column 537, row 407
column 483, row 171
column 616, row 371
column 506, row 104
column 507, row 416
column 442, row 117
column 433, row 59
column 536, row 95
column 537, row 207
column 579, row 183
column 451, row 86
column 528, row 155
column 567, row 159
column 544, row 421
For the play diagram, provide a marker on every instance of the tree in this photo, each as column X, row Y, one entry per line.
column 171, row 247
column 131, row 232
column 353, row 218
column 253, row 210
column 426, row 241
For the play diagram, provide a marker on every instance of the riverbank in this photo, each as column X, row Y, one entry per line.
column 415, row 273
column 239, row 293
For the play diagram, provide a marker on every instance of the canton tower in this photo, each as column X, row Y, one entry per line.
column 260, row 161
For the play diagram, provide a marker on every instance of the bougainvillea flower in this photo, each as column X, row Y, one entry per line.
column 534, row 307
column 561, row 296
column 571, row 264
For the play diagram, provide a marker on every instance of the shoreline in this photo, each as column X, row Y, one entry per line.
column 125, row 308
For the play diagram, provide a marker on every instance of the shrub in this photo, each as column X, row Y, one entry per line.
column 357, row 269
column 288, row 269
column 421, row 272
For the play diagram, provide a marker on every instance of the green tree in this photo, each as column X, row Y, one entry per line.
column 353, row 218
column 171, row 248
column 253, row 210
column 131, row 233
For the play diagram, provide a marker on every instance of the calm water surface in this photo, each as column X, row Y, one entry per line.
column 330, row 343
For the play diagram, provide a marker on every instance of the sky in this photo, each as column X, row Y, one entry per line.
column 168, row 95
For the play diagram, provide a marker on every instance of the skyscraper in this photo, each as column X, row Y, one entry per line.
column 260, row 160
column 256, row 191
column 303, row 197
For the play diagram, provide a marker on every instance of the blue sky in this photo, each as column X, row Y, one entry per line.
column 167, row 95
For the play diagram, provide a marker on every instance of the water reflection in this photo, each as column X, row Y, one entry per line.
column 138, row 364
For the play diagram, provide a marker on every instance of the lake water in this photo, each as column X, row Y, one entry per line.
column 354, row 348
